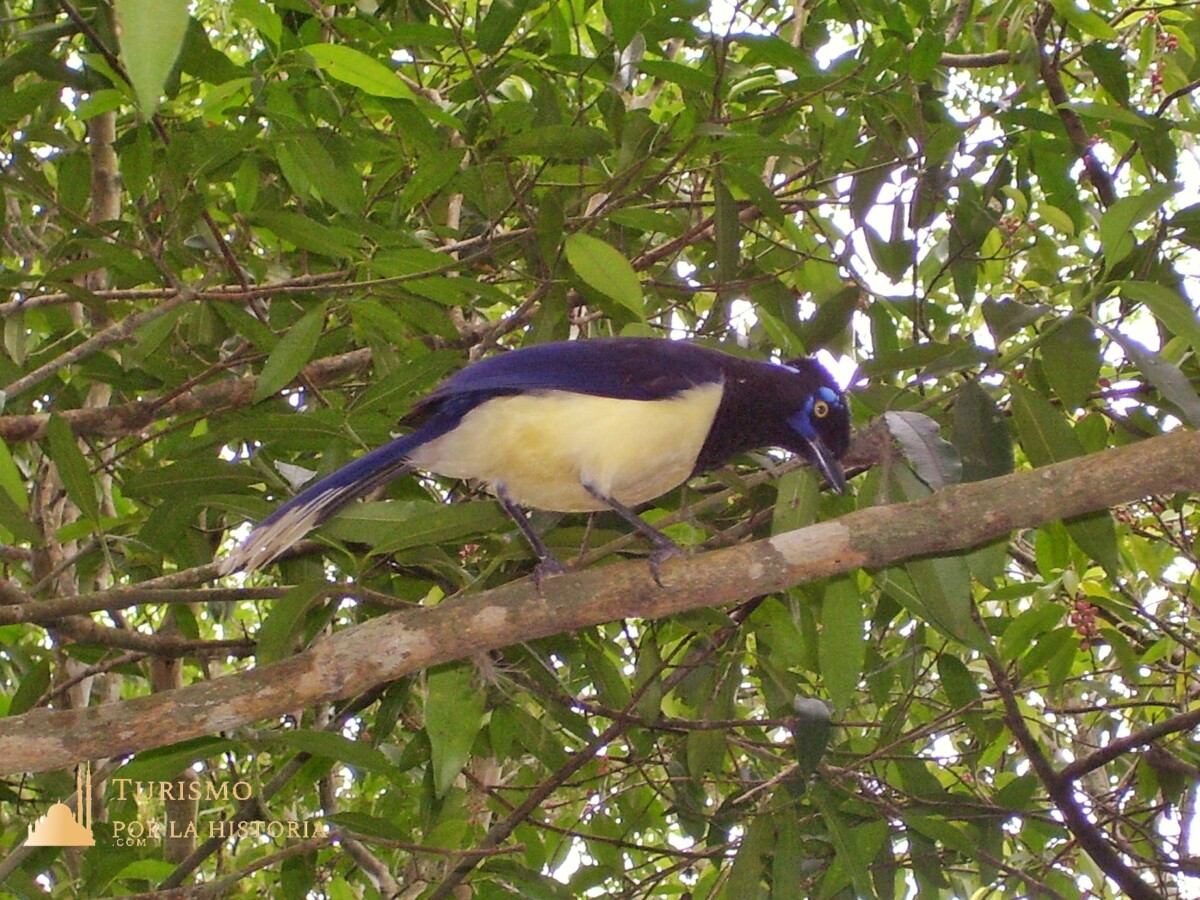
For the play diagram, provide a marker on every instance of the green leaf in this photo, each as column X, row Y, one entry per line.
column 647, row 678
column 944, row 586
column 984, row 443
column 334, row 746
column 811, row 732
column 262, row 16
column 297, row 875
column 627, row 17
column 391, row 527
column 1108, row 116
column 394, row 392
column 145, row 869
column 191, row 479
column 604, row 671
column 291, row 354
column 164, row 763
column 932, row 457
column 831, row 323
column 797, row 495
column 842, row 645
column 705, row 749
column 604, row 269
column 73, row 469
column 727, row 231
column 356, row 69
column 557, row 142
column 1108, row 64
column 788, row 875
column 1170, row 382
column 434, row 171
column 369, row 826
column 308, row 234
column 498, row 23
column 338, row 185
column 35, row 683
column 1071, row 360
column 1169, row 306
column 151, row 33
column 685, row 76
column 1118, row 221
column 454, row 704
column 1006, row 317
column 1047, row 438
column 756, row 847
column 846, row 848
column 1017, row 795
column 1022, row 632
column 400, row 263
column 1050, row 648
column 957, row 681
column 894, row 256
column 11, row 480
column 936, row 589
column 1085, row 20
column 1045, row 433
column 17, row 521
column 645, row 220
column 278, row 633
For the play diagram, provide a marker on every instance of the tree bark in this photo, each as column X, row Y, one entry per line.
column 397, row 644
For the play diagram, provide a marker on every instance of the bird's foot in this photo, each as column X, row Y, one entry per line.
column 663, row 552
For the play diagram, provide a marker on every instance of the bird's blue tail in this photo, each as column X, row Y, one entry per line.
column 319, row 501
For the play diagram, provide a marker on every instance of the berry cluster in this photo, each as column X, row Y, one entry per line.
column 1166, row 43
column 1083, row 618
column 1156, row 79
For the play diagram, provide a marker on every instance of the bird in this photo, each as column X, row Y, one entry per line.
column 582, row 426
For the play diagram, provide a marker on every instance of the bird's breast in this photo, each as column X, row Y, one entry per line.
column 543, row 447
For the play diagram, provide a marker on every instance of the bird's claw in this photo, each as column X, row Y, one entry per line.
column 661, row 554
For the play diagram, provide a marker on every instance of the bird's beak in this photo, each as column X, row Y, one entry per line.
column 827, row 464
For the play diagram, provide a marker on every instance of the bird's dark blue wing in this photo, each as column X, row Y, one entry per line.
column 625, row 368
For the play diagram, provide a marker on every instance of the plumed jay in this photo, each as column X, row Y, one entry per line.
column 578, row 426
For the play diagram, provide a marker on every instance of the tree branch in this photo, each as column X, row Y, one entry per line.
column 84, row 631
column 1076, row 132
column 129, row 418
column 1062, row 794
column 1117, row 746
column 118, row 331
column 397, row 644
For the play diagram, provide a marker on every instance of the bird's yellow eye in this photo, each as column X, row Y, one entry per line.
column 820, row 409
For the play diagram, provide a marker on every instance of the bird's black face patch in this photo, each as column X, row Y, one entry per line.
column 823, row 425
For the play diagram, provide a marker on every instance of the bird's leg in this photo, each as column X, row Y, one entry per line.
column 664, row 547
column 548, row 564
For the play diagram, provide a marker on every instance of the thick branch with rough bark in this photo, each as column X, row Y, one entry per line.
column 397, row 644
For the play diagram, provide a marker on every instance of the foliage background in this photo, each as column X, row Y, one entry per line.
column 243, row 237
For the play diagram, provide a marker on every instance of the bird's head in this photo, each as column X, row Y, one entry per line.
column 819, row 430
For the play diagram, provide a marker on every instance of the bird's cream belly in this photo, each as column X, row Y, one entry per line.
column 544, row 447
